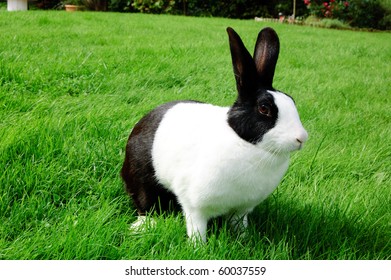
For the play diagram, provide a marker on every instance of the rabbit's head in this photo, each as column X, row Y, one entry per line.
column 262, row 115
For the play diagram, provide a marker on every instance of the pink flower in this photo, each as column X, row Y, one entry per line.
column 307, row 2
column 325, row 4
column 346, row 4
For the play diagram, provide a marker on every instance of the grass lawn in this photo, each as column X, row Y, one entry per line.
column 72, row 85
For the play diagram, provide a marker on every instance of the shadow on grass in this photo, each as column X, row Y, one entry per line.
column 277, row 230
column 319, row 232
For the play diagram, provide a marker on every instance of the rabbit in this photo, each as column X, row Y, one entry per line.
column 210, row 161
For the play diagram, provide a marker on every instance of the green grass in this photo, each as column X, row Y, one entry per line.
column 73, row 85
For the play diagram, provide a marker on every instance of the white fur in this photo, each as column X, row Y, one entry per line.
column 212, row 171
column 142, row 223
column 283, row 137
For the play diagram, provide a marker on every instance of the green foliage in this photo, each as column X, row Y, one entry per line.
column 3, row 6
column 73, row 85
column 45, row 4
column 236, row 9
column 357, row 13
column 370, row 14
column 217, row 8
column 73, row 2
column 96, row 5
column 120, row 5
column 153, row 6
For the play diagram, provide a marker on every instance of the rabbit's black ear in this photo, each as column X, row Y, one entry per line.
column 243, row 65
column 266, row 53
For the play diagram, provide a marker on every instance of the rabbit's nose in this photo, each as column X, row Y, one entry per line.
column 302, row 137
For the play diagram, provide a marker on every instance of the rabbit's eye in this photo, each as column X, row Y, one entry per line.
column 264, row 109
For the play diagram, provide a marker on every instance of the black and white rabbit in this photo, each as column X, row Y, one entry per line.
column 213, row 161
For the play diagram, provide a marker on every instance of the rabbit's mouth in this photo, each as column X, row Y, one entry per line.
column 300, row 146
column 282, row 148
column 300, row 143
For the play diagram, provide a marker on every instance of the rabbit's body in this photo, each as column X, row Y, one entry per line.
column 208, row 166
column 211, row 160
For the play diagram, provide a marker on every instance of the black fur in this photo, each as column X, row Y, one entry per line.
column 137, row 170
column 247, row 122
column 266, row 51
